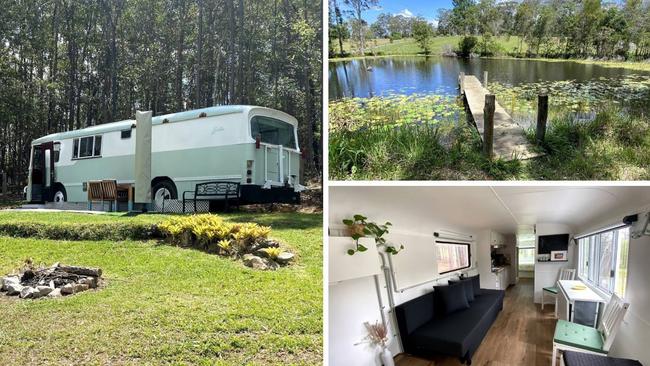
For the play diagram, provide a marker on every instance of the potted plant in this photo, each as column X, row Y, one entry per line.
column 359, row 227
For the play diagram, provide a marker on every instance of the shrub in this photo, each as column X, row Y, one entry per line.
column 80, row 231
column 273, row 253
column 466, row 45
column 207, row 230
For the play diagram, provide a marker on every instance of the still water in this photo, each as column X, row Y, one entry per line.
column 439, row 75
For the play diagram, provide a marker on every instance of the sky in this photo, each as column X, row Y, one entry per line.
column 425, row 8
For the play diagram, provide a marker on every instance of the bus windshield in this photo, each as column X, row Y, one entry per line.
column 273, row 131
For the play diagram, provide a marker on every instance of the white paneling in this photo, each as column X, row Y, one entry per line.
column 343, row 266
column 546, row 273
column 351, row 303
column 415, row 264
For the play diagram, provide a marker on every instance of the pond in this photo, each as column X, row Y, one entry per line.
column 439, row 75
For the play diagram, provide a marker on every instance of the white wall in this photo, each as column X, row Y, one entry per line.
column 355, row 301
column 546, row 273
column 632, row 338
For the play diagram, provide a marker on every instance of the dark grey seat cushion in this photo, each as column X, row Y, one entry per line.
column 468, row 286
column 450, row 298
column 585, row 359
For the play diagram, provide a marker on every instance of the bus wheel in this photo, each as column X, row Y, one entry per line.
column 59, row 195
column 163, row 190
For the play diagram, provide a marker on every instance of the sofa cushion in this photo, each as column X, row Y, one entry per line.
column 451, row 297
column 413, row 314
column 476, row 282
column 469, row 288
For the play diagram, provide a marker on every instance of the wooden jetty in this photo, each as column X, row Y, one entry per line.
column 509, row 141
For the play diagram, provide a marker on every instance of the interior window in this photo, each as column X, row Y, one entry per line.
column 603, row 260
column 452, row 256
column 273, row 131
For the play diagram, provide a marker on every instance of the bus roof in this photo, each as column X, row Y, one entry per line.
column 172, row 117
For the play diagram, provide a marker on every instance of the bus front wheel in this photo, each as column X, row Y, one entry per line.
column 59, row 194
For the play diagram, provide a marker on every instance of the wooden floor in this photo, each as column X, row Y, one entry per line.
column 521, row 335
column 510, row 141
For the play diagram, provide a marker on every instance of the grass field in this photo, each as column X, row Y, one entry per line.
column 168, row 305
column 408, row 46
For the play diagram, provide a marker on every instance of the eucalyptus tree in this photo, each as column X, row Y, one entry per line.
column 358, row 8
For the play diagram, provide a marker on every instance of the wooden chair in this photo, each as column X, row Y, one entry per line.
column 565, row 274
column 580, row 338
column 103, row 191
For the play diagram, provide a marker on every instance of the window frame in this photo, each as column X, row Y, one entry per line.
column 76, row 147
column 294, row 132
column 591, row 274
column 469, row 255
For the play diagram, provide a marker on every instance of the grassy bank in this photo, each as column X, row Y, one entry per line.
column 167, row 305
column 409, row 47
column 613, row 146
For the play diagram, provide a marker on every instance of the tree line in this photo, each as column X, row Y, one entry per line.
column 68, row 64
column 547, row 28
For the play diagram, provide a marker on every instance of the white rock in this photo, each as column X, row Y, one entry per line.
column 29, row 292
column 6, row 281
column 55, row 293
column 284, row 257
column 67, row 289
column 90, row 281
column 44, row 290
column 254, row 261
column 14, row 289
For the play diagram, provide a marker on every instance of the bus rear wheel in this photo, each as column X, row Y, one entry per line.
column 163, row 190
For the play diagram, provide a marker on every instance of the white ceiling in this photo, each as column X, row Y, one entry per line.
column 501, row 208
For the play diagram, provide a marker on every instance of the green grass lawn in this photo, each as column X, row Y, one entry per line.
column 168, row 305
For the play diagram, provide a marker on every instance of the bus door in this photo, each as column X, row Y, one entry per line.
column 42, row 172
column 273, row 164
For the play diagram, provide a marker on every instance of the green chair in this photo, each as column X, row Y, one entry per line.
column 565, row 274
column 580, row 338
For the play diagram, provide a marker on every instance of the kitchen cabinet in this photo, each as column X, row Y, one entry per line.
column 496, row 238
column 500, row 278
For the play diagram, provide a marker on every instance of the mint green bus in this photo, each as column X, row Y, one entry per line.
column 255, row 146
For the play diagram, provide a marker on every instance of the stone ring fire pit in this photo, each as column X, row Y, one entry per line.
column 53, row 281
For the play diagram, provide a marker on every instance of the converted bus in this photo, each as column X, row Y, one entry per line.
column 255, row 146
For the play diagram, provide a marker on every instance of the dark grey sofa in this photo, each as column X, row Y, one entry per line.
column 426, row 330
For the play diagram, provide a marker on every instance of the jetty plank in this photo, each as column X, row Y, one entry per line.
column 510, row 141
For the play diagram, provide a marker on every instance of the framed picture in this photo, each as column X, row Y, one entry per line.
column 558, row 255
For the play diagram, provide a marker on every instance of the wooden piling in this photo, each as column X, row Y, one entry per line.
column 485, row 79
column 461, row 82
column 542, row 116
column 488, row 125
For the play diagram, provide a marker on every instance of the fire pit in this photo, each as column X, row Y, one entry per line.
column 56, row 280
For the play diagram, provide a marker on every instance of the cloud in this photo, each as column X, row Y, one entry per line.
column 434, row 22
column 377, row 8
column 406, row 13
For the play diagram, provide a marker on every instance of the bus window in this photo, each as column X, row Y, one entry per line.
column 273, row 131
column 87, row 147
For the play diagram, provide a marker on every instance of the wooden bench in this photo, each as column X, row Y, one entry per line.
column 214, row 191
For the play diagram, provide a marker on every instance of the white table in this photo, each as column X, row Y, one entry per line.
column 569, row 301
